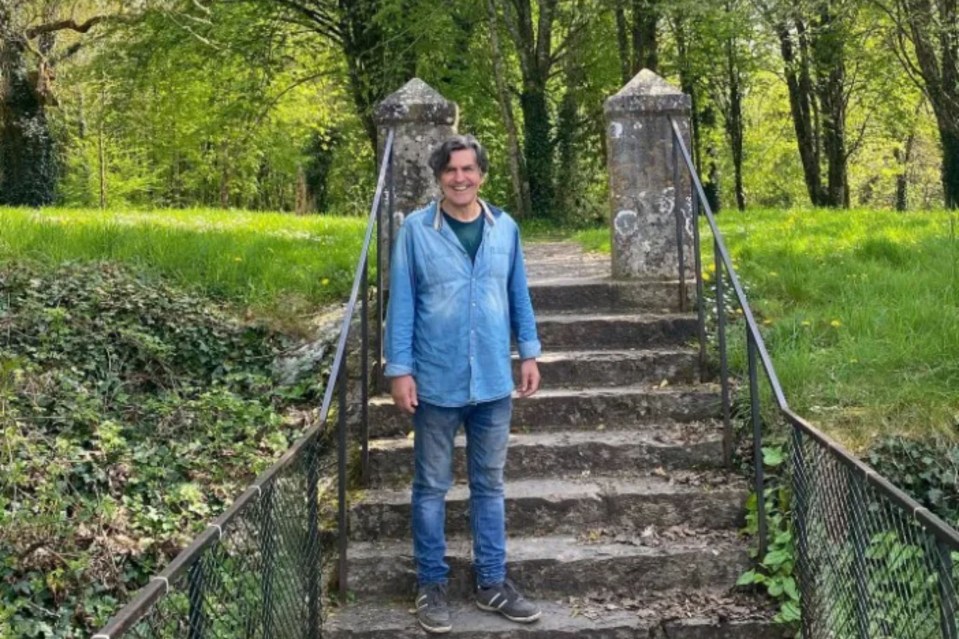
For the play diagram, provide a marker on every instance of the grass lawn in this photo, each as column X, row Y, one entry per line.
column 278, row 265
column 860, row 311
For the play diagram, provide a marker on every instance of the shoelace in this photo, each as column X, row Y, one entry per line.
column 512, row 593
column 435, row 594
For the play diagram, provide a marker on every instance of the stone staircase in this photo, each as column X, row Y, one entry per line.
column 621, row 520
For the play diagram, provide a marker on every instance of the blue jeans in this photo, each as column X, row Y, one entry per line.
column 487, row 436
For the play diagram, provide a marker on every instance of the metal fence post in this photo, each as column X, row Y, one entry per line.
column 857, row 531
column 800, row 510
column 380, row 303
column 700, row 306
column 313, row 571
column 196, row 588
column 723, row 356
column 757, row 442
column 683, row 301
column 365, row 381
column 268, row 557
column 341, row 481
column 947, row 591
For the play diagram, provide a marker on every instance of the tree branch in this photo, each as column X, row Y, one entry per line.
column 70, row 24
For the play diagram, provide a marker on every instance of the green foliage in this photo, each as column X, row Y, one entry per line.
column 115, row 395
column 775, row 571
column 927, row 469
column 902, row 588
column 222, row 107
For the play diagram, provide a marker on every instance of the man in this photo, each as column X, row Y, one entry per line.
column 457, row 293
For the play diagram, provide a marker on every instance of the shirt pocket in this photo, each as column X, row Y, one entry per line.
column 500, row 261
column 440, row 270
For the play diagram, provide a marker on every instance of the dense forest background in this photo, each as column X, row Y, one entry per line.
column 267, row 104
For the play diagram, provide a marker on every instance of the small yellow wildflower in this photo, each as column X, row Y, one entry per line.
column 325, row 281
column 773, row 274
column 237, row 259
column 806, row 323
column 835, row 323
column 767, row 322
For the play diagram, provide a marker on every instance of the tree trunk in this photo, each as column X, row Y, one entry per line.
column 949, row 139
column 374, row 57
column 517, row 171
column 645, row 41
column 936, row 56
column 830, row 63
column 734, row 122
column 536, row 61
column 800, row 105
column 538, row 148
column 28, row 161
column 626, row 64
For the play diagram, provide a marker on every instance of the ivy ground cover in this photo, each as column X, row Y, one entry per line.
column 139, row 392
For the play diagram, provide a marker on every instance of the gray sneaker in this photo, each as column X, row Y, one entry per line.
column 432, row 610
column 505, row 599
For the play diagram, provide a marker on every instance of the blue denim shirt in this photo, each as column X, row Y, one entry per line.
column 450, row 320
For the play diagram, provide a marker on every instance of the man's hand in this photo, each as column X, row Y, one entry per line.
column 403, row 389
column 528, row 378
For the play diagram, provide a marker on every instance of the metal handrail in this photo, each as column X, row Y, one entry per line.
column 188, row 561
column 941, row 529
column 946, row 537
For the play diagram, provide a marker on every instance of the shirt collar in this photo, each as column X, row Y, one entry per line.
column 438, row 214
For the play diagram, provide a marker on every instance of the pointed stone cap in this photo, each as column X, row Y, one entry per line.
column 416, row 102
column 647, row 93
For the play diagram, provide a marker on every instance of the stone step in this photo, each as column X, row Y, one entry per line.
column 559, row 295
column 559, row 408
column 615, row 331
column 582, row 369
column 569, row 453
column 568, row 506
column 563, row 565
column 671, row 615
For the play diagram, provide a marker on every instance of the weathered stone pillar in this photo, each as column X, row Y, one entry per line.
column 642, row 186
column 421, row 118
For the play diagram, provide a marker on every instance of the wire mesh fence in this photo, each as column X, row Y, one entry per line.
column 867, row 566
column 257, row 572
column 870, row 562
column 260, row 570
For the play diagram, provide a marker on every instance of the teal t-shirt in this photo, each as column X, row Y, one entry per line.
column 470, row 234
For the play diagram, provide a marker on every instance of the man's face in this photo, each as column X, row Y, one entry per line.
column 461, row 179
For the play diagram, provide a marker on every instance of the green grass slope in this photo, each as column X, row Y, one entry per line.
column 860, row 311
column 277, row 265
